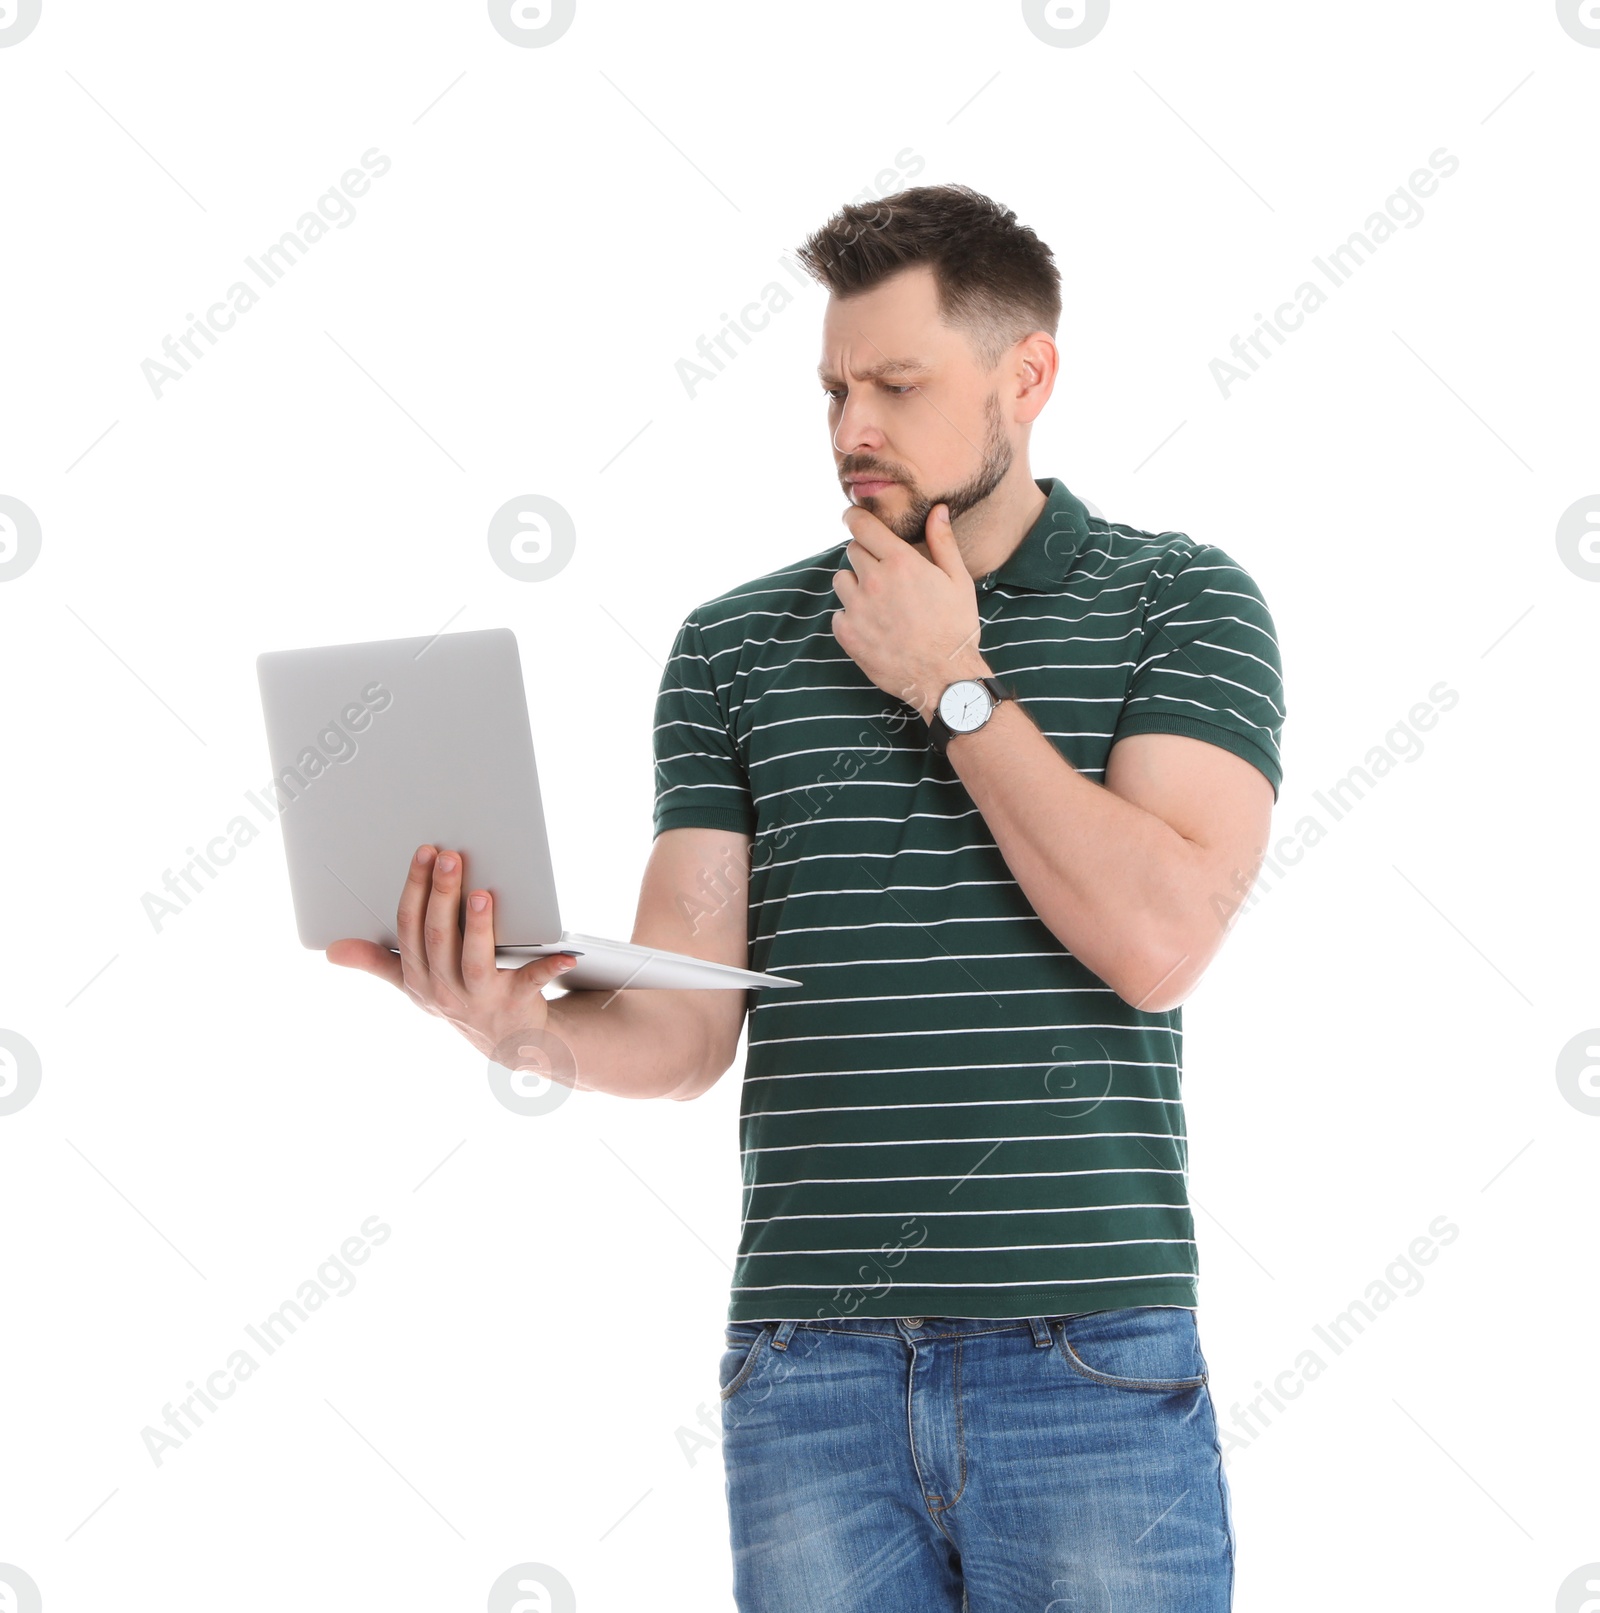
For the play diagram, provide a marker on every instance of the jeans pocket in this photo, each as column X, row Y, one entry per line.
column 744, row 1344
column 1148, row 1347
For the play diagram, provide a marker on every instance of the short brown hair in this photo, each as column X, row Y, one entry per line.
column 996, row 278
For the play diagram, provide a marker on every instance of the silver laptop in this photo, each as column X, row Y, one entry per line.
column 380, row 748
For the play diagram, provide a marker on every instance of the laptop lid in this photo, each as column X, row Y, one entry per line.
column 380, row 748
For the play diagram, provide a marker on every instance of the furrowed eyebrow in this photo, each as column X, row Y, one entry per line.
column 876, row 372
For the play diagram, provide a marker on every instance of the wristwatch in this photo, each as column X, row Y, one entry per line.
column 964, row 708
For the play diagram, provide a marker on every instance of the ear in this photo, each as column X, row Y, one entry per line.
column 1039, row 363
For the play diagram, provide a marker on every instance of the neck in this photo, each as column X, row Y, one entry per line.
column 989, row 532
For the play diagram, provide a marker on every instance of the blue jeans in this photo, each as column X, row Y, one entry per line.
column 1062, row 1464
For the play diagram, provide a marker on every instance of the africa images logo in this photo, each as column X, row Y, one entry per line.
column 1581, row 19
column 18, row 19
column 20, row 537
column 18, row 1593
column 532, row 1588
column 1065, row 23
column 532, row 23
column 21, row 1072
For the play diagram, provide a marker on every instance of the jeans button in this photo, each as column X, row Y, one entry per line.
column 913, row 1321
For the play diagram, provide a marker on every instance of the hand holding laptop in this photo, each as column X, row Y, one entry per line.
column 451, row 974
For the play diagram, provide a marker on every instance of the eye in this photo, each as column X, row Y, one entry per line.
column 833, row 392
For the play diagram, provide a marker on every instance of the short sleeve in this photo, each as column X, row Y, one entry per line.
column 700, row 780
column 1209, row 666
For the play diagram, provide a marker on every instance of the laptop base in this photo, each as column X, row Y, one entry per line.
column 612, row 965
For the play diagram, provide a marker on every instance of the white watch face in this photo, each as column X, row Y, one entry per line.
column 965, row 706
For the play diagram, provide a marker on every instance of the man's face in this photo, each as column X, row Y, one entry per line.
column 908, row 405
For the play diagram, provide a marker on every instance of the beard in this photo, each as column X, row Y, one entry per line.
column 912, row 524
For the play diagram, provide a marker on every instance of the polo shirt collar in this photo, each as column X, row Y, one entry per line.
column 1041, row 561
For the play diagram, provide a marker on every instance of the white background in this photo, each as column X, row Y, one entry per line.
column 513, row 1377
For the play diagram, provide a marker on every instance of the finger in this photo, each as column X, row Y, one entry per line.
column 535, row 975
column 477, row 950
column 441, row 924
column 862, row 560
column 408, row 919
column 873, row 539
column 367, row 956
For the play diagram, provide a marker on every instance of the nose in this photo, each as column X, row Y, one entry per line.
column 856, row 432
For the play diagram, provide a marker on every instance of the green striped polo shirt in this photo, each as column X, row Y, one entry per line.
column 951, row 1115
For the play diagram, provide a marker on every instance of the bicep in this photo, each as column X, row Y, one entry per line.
column 1216, row 800
column 695, row 899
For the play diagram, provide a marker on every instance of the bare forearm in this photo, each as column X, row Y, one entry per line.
column 631, row 1044
column 1115, row 884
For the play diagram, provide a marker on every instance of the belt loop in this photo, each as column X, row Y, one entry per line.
column 780, row 1339
column 1041, row 1331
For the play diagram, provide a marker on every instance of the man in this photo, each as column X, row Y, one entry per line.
column 990, row 777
